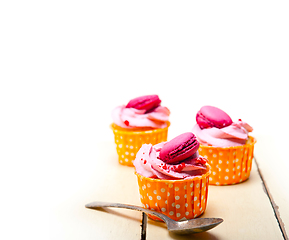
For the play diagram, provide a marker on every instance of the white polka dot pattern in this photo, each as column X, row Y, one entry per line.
column 129, row 142
column 229, row 165
column 178, row 199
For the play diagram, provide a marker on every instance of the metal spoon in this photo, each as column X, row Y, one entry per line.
column 196, row 225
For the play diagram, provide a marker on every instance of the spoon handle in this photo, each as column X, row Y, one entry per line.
column 94, row 205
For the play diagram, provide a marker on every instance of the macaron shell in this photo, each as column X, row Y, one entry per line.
column 147, row 102
column 179, row 148
column 202, row 121
column 210, row 116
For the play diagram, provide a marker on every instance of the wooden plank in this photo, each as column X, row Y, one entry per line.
column 109, row 182
column 274, row 166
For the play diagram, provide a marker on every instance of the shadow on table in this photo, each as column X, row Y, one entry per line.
column 200, row 236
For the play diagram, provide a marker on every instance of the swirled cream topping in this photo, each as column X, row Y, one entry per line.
column 148, row 164
column 235, row 134
column 135, row 118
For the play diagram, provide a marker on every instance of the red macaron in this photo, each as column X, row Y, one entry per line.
column 209, row 116
column 179, row 148
column 147, row 102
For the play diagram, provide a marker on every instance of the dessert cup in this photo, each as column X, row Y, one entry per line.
column 128, row 141
column 178, row 199
column 229, row 165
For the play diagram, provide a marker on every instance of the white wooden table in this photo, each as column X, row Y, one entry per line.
column 247, row 210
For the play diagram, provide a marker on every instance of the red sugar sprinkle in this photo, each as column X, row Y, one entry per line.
column 126, row 122
column 145, row 161
column 201, row 160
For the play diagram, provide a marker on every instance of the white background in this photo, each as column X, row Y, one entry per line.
column 64, row 65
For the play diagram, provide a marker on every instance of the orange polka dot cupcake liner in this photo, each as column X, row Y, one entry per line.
column 229, row 165
column 128, row 142
column 178, row 199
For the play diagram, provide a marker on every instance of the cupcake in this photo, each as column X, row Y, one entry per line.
column 142, row 120
column 226, row 144
column 173, row 179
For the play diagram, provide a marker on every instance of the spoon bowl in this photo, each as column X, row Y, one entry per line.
column 195, row 225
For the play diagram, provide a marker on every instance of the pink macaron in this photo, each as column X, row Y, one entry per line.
column 147, row 102
column 179, row 148
column 209, row 116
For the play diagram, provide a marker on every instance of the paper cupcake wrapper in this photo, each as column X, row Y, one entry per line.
column 178, row 199
column 129, row 142
column 229, row 165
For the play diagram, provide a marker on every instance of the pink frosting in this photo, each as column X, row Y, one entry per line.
column 135, row 118
column 234, row 135
column 148, row 164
